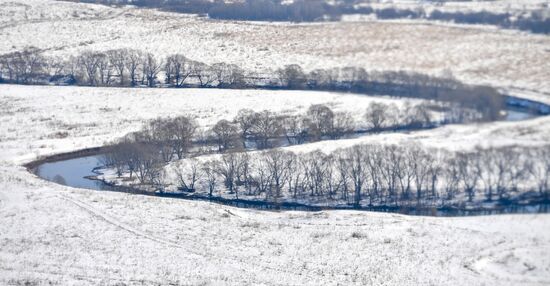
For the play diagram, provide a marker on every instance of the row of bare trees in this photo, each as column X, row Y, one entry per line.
column 119, row 67
column 145, row 152
column 484, row 99
column 266, row 129
column 167, row 139
column 25, row 67
column 128, row 67
column 385, row 175
column 535, row 21
column 374, row 175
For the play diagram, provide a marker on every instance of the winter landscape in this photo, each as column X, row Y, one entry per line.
column 266, row 142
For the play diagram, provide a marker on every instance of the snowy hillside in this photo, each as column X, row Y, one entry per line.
column 81, row 237
column 510, row 6
column 475, row 54
column 99, row 115
column 51, row 234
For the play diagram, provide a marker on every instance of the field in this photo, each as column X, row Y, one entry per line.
column 104, row 114
column 499, row 6
column 56, row 235
column 72, row 236
column 476, row 54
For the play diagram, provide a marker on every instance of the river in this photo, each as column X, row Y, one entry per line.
column 76, row 172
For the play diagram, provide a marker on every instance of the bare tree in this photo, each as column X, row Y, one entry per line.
column 225, row 134
column 188, row 175
column 246, row 120
column 105, row 69
column 267, row 125
column 151, row 68
column 451, row 173
column 435, row 169
column 316, row 171
column 404, row 170
column 134, row 61
column 488, row 173
column 177, row 68
column 227, row 75
column 209, row 170
column 119, row 60
column 262, row 178
column 296, row 178
column 357, row 172
column 244, row 172
column 55, row 67
column 419, row 164
column 228, row 168
column 540, row 170
column 389, row 170
column 374, row 161
column 235, row 78
column 6, row 69
column 501, row 165
column 295, row 129
column 292, row 76
column 158, row 134
column 517, row 167
column 320, row 79
column 148, row 166
column 25, row 66
column 418, row 116
column 204, row 74
column 184, row 129
column 278, row 163
column 469, row 172
column 376, row 115
column 350, row 77
column 342, row 124
column 222, row 73
column 321, row 119
column 342, row 162
column 89, row 61
column 117, row 158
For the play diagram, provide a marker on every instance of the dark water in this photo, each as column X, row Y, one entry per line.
column 73, row 172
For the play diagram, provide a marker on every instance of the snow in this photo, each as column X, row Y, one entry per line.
column 68, row 236
column 78, row 237
column 505, row 58
column 532, row 132
column 494, row 6
column 52, row 234
column 100, row 115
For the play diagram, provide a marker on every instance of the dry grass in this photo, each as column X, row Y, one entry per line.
column 472, row 53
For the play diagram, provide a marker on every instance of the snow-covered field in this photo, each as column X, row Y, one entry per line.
column 104, row 114
column 495, row 6
column 52, row 233
column 476, row 54
column 56, row 235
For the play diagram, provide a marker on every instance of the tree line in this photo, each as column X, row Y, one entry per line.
column 378, row 175
column 119, row 67
column 365, row 175
column 161, row 141
column 251, row 10
column 536, row 21
column 128, row 67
